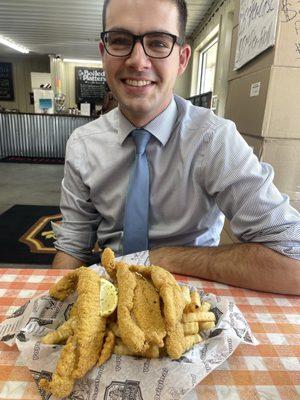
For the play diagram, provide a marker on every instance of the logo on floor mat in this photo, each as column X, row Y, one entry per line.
column 40, row 236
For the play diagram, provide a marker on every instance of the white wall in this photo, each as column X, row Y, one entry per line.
column 22, row 67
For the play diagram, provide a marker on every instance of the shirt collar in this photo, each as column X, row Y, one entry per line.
column 161, row 126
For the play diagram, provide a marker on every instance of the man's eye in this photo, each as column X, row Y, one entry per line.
column 120, row 41
column 158, row 44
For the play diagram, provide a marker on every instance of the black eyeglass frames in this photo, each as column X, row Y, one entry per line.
column 155, row 44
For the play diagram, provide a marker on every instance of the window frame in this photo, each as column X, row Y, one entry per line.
column 201, row 62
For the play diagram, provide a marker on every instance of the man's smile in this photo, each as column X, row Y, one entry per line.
column 137, row 82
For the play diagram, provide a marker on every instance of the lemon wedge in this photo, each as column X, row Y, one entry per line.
column 108, row 298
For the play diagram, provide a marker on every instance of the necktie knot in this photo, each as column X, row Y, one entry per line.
column 141, row 138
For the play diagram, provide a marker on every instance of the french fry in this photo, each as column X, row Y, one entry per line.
column 204, row 326
column 195, row 303
column 190, row 328
column 199, row 316
column 205, row 306
column 191, row 340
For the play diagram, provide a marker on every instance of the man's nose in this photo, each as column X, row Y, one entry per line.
column 138, row 58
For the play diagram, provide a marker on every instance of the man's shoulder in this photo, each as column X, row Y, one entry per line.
column 199, row 118
column 98, row 127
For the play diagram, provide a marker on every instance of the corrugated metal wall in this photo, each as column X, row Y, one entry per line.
column 36, row 135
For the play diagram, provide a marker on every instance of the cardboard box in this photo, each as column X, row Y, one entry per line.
column 288, row 35
column 256, row 144
column 273, row 110
column 282, row 114
column 284, row 156
column 244, row 108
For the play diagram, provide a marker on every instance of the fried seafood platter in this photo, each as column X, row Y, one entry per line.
column 142, row 312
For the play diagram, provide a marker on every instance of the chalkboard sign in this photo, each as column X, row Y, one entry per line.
column 90, row 85
column 6, row 82
column 257, row 29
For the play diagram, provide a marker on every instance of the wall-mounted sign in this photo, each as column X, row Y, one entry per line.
column 89, row 84
column 257, row 29
column 6, row 82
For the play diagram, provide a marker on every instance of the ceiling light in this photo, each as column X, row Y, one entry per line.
column 73, row 60
column 13, row 45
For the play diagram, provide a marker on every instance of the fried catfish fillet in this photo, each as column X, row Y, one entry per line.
column 62, row 381
column 108, row 262
column 85, row 327
column 132, row 335
column 150, row 310
column 146, row 310
column 65, row 330
column 65, row 286
column 90, row 328
column 168, row 289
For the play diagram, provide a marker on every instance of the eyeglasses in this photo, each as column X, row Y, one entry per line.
column 155, row 44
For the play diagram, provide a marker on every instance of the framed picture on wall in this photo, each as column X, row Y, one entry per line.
column 6, row 82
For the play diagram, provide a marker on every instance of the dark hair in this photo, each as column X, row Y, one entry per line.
column 182, row 12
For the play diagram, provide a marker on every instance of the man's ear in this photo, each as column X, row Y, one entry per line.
column 101, row 49
column 184, row 57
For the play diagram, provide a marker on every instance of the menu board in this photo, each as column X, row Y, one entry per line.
column 6, row 82
column 90, row 85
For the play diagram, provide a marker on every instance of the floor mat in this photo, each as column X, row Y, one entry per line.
column 33, row 160
column 26, row 235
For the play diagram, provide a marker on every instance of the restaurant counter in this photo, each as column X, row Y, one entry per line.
column 37, row 135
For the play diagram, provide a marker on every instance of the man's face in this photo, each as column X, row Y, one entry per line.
column 142, row 85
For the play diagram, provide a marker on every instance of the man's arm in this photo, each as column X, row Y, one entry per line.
column 249, row 265
column 76, row 234
column 65, row 261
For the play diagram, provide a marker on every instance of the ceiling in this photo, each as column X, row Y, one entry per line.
column 69, row 28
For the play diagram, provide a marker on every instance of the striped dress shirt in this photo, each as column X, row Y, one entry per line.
column 201, row 169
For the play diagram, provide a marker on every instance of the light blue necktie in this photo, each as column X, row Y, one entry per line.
column 137, row 199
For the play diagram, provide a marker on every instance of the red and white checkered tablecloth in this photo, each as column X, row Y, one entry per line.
column 268, row 371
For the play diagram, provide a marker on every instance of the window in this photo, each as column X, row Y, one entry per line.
column 207, row 67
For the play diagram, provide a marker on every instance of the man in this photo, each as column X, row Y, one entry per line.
column 198, row 165
column 109, row 101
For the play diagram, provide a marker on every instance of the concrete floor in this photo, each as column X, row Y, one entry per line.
column 32, row 184
column 37, row 184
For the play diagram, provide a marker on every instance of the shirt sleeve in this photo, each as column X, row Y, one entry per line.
column 244, row 191
column 77, row 233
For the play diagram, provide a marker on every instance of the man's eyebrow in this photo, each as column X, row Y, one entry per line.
column 117, row 28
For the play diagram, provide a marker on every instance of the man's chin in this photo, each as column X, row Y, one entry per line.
column 138, row 109
column 139, row 115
